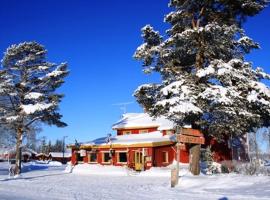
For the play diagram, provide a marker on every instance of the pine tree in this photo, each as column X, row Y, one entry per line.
column 43, row 145
column 27, row 89
column 205, row 80
column 49, row 146
column 58, row 146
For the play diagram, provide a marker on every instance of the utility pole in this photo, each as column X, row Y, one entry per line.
column 64, row 137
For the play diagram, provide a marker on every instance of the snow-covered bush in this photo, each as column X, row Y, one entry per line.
column 208, row 165
column 227, row 166
column 251, row 168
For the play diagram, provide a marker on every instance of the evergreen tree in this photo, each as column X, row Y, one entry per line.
column 31, row 136
column 27, row 87
column 58, row 146
column 43, row 145
column 49, row 146
column 7, row 137
column 205, row 80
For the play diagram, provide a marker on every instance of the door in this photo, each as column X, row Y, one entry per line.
column 138, row 158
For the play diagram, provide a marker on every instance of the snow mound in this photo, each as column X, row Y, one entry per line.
column 97, row 169
column 90, row 169
column 157, row 172
column 54, row 164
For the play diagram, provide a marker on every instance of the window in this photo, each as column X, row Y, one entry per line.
column 122, row 157
column 143, row 131
column 165, row 157
column 92, row 157
column 79, row 158
column 106, row 157
column 169, row 132
column 126, row 132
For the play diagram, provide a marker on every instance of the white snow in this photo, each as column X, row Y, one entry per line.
column 218, row 94
column 42, row 164
column 60, row 154
column 206, row 71
column 257, row 95
column 43, row 67
column 96, row 169
column 151, row 137
column 140, row 120
column 253, row 97
column 54, row 163
column 261, row 88
column 55, row 73
column 172, row 88
column 33, row 95
column 32, row 108
column 185, row 107
column 12, row 118
column 52, row 183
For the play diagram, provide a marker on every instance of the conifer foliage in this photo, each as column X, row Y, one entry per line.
column 27, row 89
column 205, row 80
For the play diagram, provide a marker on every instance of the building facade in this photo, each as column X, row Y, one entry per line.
column 140, row 143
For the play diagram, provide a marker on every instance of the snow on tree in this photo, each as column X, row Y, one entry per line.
column 205, row 80
column 28, row 86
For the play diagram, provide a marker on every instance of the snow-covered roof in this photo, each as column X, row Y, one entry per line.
column 25, row 150
column 60, row 154
column 132, row 139
column 142, row 120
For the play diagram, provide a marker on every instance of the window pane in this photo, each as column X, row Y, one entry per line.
column 164, row 156
column 122, row 157
column 93, row 157
column 143, row 131
column 126, row 132
column 106, row 157
column 79, row 157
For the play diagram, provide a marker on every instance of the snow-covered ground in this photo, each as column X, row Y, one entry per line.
column 51, row 182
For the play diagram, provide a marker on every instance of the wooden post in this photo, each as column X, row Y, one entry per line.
column 175, row 171
column 174, row 177
column 195, row 159
column 178, row 160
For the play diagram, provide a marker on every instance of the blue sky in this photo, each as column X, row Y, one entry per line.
column 97, row 39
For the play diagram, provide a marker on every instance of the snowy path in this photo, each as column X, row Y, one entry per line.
column 52, row 183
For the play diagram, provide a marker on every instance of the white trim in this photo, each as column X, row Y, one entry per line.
column 124, row 151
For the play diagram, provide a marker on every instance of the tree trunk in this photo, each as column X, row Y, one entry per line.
column 18, row 150
column 194, row 163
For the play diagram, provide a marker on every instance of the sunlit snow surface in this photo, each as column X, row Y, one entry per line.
column 51, row 182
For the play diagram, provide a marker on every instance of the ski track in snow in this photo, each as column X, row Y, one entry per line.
column 53, row 184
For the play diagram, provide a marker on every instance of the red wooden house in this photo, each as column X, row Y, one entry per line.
column 141, row 142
